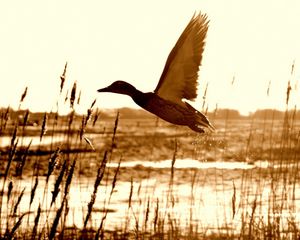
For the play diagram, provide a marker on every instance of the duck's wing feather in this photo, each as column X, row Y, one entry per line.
column 180, row 74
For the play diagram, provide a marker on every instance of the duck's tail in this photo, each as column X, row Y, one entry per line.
column 200, row 121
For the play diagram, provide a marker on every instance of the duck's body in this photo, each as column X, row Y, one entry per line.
column 180, row 114
column 173, row 113
column 164, row 109
column 178, row 81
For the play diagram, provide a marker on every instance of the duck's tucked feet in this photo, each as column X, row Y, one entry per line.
column 196, row 128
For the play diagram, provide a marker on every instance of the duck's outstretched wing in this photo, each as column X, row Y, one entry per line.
column 180, row 75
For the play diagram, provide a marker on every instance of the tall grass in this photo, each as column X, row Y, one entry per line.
column 262, row 203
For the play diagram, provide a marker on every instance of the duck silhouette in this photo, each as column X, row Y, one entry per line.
column 178, row 81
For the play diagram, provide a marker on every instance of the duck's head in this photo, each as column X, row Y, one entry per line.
column 120, row 87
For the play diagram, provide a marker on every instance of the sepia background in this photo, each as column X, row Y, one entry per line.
column 76, row 164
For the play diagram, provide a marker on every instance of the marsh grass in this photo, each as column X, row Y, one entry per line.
column 261, row 204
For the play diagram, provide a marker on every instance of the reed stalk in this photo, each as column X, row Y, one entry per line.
column 100, row 174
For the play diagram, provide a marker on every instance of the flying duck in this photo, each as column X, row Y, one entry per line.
column 177, row 83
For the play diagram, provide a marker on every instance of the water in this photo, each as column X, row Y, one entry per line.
column 201, row 193
column 185, row 164
column 5, row 141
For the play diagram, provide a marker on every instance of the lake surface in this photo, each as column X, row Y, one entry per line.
column 200, row 193
column 5, row 141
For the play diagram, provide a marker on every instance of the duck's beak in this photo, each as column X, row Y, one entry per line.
column 106, row 89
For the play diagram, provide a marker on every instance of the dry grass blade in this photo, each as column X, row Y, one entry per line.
column 268, row 90
column 56, row 220
column 69, row 178
column 18, row 202
column 10, row 234
column 114, row 132
column 32, row 192
column 73, row 95
column 67, row 96
column 20, row 165
column 89, row 112
column 63, row 77
column 96, row 116
column 44, row 126
column 79, row 97
column 288, row 91
column 26, row 116
column 13, row 138
column 9, row 190
column 252, row 218
column 93, row 103
column 130, row 193
column 233, row 80
column 204, row 97
column 71, row 118
column 24, row 95
column 100, row 231
column 156, row 216
column 12, row 152
column 63, row 220
column 36, row 223
column 58, row 182
column 4, row 119
column 173, row 160
column 127, row 221
column 206, row 110
column 52, row 162
column 89, row 142
column 115, row 127
column 147, row 214
column 82, row 128
column 100, row 174
column 113, row 185
column 233, row 200
column 293, row 68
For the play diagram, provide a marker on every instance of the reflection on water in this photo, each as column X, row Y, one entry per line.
column 209, row 204
column 35, row 140
column 185, row 163
column 196, row 164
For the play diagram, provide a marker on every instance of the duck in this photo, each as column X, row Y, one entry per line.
column 178, row 82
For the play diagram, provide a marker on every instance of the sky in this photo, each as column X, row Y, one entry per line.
column 250, row 46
